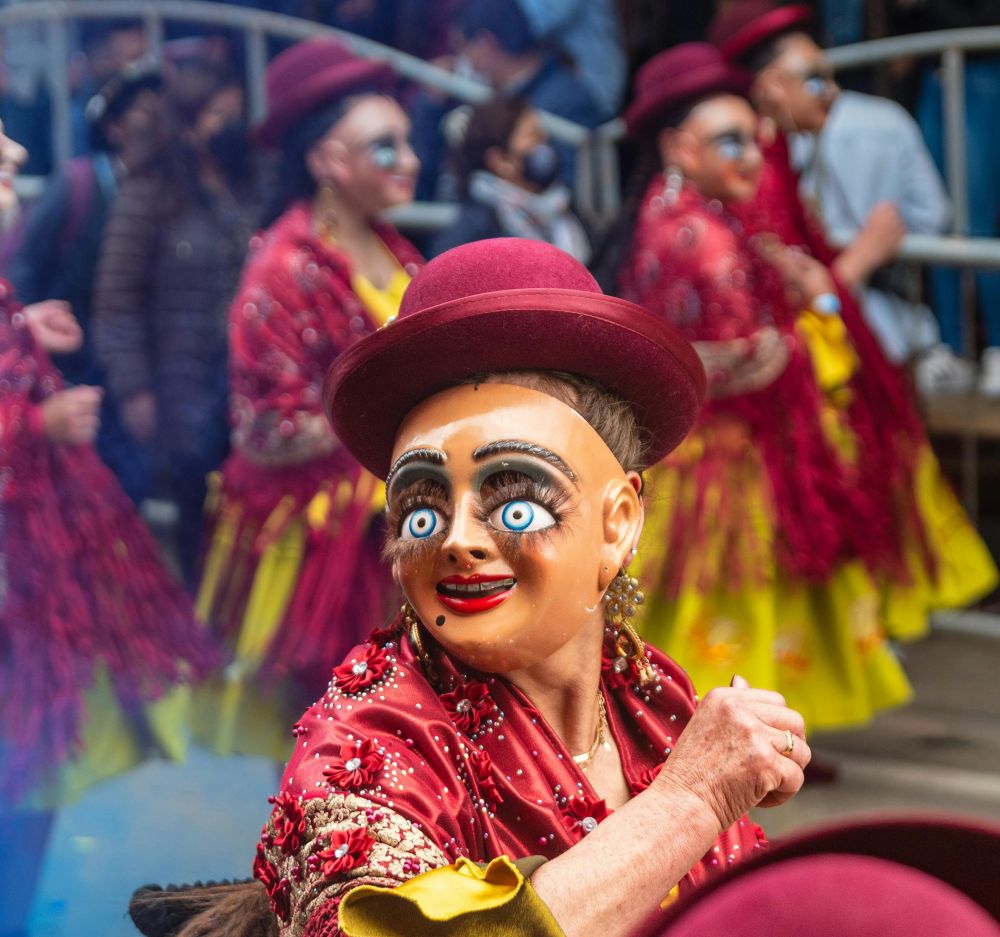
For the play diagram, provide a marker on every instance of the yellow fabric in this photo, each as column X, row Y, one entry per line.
column 461, row 899
column 822, row 645
column 113, row 742
column 826, row 340
column 382, row 304
column 965, row 569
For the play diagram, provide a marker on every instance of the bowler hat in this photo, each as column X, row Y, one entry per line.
column 835, row 896
column 961, row 853
column 510, row 304
column 308, row 75
column 747, row 23
column 677, row 77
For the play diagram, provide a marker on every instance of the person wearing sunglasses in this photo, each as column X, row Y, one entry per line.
column 754, row 551
column 933, row 557
column 292, row 574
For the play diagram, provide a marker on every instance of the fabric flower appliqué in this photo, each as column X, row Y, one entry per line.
column 380, row 637
column 617, row 672
column 278, row 889
column 356, row 766
column 482, row 769
column 289, row 822
column 582, row 814
column 646, row 778
column 468, row 704
column 345, row 850
column 361, row 672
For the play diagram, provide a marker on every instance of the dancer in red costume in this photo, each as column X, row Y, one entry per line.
column 93, row 631
column 757, row 555
column 938, row 560
column 436, row 786
column 293, row 577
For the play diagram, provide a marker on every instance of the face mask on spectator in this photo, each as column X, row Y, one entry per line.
column 540, row 165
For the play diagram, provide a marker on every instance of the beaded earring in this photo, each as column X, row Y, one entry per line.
column 673, row 180
column 621, row 600
column 411, row 624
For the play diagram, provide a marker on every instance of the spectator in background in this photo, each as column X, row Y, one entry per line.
column 508, row 172
column 589, row 34
column 498, row 48
column 982, row 154
column 170, row 259
column 870, row 150
column 61, row 237
column 109, row 46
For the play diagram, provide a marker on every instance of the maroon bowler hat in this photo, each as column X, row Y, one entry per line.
column 510, row 304
column 959, row 852
column 677, row 77
column 309, row 74
column 747, row 23
column 835, row 896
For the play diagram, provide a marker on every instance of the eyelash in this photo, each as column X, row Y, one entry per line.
column 501, row 488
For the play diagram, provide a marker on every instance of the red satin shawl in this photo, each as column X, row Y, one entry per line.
column 473, row 764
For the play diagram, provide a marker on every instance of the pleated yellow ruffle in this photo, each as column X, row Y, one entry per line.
column 466, row 899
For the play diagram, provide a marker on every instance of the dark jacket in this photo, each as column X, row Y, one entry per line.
column 169, row 265
column 57, row 255
column 475, row 222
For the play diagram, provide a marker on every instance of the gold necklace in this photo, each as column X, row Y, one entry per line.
column 587, row 757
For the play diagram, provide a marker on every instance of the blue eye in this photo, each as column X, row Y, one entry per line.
column 521, row 517
column 420, row 524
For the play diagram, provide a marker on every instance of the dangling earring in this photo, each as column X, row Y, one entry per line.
column 326, row 211
column 673, row 180
column 412, row 625
column 621, row 599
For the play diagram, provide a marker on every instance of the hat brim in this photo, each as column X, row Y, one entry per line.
column 762, row 28
column 377, row 382
column 644, row 116
column 960, row 852
column 327, row 84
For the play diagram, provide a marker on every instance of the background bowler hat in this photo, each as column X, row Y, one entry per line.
column 745, row 24
column 310, row 74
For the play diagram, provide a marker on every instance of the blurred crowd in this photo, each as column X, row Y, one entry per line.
column 190, row 278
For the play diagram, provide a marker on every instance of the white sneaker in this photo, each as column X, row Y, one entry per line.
column 940, row 371
column 989, row 373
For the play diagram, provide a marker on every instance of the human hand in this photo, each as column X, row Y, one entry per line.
column 874, row 245
column 804, row 276
column 139, row 416
column 733, row 756
column 73, row 416
column 54, row 326
column 745, row 365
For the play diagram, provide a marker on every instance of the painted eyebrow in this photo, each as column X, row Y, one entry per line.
column 434, row 456
column 502, row 446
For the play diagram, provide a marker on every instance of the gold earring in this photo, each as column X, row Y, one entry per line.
column 326, row 211
column 412, row 624
column 621, row 600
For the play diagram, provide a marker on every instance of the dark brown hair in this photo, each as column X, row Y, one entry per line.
column 490, row 125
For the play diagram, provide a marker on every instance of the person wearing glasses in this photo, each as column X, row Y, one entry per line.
column 292, row 575
column 756, row 553
column 931, row 556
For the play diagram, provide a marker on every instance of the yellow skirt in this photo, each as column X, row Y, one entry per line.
column 113, row 742
column 233, row 713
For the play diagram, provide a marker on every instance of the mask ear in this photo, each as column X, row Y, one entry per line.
column 325, row 160
column 623, row 518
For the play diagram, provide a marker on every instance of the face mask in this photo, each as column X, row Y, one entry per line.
column 231, row 147
column 540, row 165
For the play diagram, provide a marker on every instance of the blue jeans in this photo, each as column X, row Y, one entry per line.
column 982, row 148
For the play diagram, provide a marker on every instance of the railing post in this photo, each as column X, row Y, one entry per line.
column 956, row 166
column 153, row 29
column 62, row 131
column 256, row 65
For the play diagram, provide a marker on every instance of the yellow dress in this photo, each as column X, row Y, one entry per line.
column 230, row 715
column 823, row 645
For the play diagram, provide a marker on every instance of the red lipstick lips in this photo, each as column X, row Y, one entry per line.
column 470, row 594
